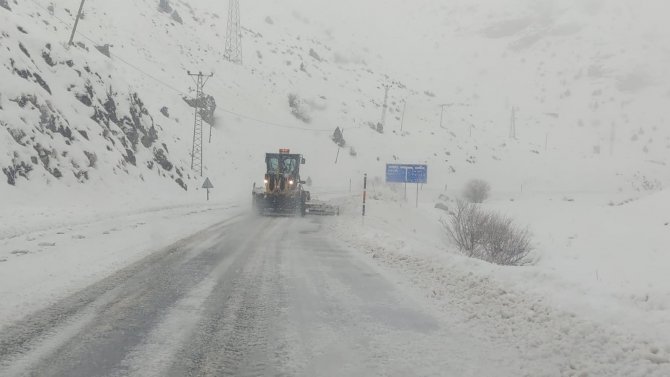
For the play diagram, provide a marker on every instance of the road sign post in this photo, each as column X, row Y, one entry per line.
column 417, row 195
column 207, row 185
column 404, row 173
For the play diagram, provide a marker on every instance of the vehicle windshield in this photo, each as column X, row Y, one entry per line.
column 289, row 165
column 278, row 164
column 273, row 165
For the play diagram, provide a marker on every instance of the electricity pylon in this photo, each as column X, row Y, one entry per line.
column 387, row 87
column 196, row 153
column 233, row 48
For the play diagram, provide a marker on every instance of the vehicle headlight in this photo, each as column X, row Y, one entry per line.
column 265, row 181
column 290, row 182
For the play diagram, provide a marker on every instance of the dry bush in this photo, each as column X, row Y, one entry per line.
column 466, row 228
column 504, row 242
column 487, row 235
column 476, row 191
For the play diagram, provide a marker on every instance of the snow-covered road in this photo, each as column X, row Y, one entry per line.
column 249, row 296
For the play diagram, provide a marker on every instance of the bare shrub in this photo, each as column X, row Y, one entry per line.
column 466, row 228
column 476, row 191
column 504, row 242
column 488, row 236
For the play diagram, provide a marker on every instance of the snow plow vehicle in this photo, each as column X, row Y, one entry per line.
column 282, row 192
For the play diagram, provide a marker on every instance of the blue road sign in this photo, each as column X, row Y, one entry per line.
column 403, row 173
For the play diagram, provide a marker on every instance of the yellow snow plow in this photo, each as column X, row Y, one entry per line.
column 282, row 191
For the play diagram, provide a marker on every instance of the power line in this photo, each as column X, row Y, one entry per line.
column 171, row 87
column 274, row 124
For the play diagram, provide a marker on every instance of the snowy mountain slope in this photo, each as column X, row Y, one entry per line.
column 479, row 57
column 575, row 77
column 67, row 117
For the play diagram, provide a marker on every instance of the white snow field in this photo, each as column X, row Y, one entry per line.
column 95, row 152
column 594, row 301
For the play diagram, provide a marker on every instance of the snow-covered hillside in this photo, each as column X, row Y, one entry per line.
column 579, row 74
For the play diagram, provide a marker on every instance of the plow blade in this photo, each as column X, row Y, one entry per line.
column 321, row 209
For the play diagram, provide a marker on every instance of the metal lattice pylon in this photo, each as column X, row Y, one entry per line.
column 233, row 48
column 387, row 87
column 196, row 152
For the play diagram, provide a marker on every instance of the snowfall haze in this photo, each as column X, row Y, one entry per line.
column 116, row 261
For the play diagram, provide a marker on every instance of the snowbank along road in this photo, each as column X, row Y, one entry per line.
column 246, row 297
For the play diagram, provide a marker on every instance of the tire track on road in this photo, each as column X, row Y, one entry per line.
column 235, row 337
column 116, row 311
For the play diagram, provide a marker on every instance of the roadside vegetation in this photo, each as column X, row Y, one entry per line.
column 488, row 235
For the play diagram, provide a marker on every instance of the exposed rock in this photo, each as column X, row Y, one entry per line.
column 177, row 17
column 23, row 49
column 150, row 137
column 17, row 169
column 84, row 98
column 161, row 159
column 298, row 109
column 46, row 55
column 92, row 159
column 130, row 157
column 42, row 83
column 313, row 54
column 164, row 6
column 104, row 49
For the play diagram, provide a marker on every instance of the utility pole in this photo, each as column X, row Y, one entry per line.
column 387, row 87
column 233, row 48
column 612, row 138
column 512, row 127
column 402, row 120
column 442, row 113
column 196, row 153
column 546, row 141
column 76, row 22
